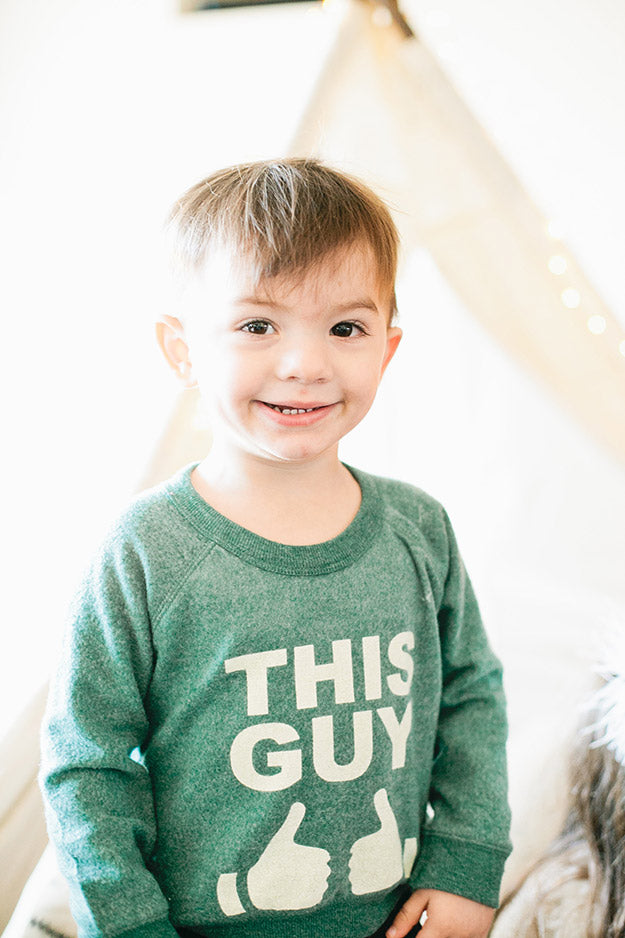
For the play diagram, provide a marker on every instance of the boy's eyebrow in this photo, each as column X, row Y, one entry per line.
column 255, row 301
column 360, row 303
column 363, row 302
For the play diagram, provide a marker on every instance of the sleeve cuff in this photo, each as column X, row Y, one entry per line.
column 162, row 928
column 460, row 867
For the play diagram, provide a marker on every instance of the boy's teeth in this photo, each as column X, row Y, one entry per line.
column 292, row 410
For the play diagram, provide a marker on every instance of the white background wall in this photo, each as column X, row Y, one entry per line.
column 108, row 111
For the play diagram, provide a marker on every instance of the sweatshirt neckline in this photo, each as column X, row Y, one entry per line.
column 291, row 560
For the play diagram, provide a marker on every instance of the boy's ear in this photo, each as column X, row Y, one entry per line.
column 171, row 338
column 393, row 338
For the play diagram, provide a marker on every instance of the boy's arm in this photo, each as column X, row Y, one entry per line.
column 465, row 842
column 99, row 802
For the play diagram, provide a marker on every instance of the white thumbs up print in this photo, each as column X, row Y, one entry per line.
column 289, row 875
column 376, row 861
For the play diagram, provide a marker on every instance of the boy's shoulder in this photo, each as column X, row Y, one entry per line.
column 407, row 501
column 405, row 495
column 146, row 549
column 150, row 528
column 416, row 517
column 150, row 510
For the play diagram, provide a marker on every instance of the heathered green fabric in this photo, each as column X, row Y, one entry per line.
column 243, row 737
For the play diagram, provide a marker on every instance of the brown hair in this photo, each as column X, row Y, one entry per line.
column 284, row 217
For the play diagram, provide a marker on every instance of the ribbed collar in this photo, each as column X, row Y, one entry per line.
column 305, row 560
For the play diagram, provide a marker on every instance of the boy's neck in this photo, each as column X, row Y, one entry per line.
column 285, row 502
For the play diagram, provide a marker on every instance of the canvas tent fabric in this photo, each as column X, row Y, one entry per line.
column 417, row 142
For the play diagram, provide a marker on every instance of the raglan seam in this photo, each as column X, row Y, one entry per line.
column 394, row 515
column 170, row 598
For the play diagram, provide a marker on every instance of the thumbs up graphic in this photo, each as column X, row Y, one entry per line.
column 376, row 861
column 289, row 875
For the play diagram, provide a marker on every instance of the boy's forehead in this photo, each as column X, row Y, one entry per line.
column 346, row 274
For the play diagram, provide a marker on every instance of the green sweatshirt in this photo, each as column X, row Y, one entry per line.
column 250, row 739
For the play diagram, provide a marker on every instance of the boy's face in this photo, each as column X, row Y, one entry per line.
column 286, row 367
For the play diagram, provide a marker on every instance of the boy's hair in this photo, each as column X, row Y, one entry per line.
column 283, row 216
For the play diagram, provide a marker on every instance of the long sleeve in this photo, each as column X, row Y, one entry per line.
column 98, row 795
column 465, row 839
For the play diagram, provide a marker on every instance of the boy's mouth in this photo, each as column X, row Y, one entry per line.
column 290, row 409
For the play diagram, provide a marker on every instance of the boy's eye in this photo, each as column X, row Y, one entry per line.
column 257, row 327
column 346, row 329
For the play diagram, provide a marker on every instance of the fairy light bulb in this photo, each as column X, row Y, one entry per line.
column 571, row 298
column 557, row 264
column 555, row 229
column 597, row 325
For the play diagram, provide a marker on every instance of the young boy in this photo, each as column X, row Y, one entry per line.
column 278, row 714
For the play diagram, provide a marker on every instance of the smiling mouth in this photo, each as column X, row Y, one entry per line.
column 294, row 410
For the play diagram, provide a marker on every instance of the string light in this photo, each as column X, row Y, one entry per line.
column 571, row 298
column 555, row 229
column 557, row 264
column 597, row 325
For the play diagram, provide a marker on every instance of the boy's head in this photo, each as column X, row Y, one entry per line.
column 284, row 323
column 283, row 218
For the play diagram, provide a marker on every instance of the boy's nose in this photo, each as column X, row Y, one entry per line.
column 305, row 361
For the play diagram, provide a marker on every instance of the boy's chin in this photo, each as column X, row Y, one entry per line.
column 229, row 448
column 299, row 457
column 294, row 454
